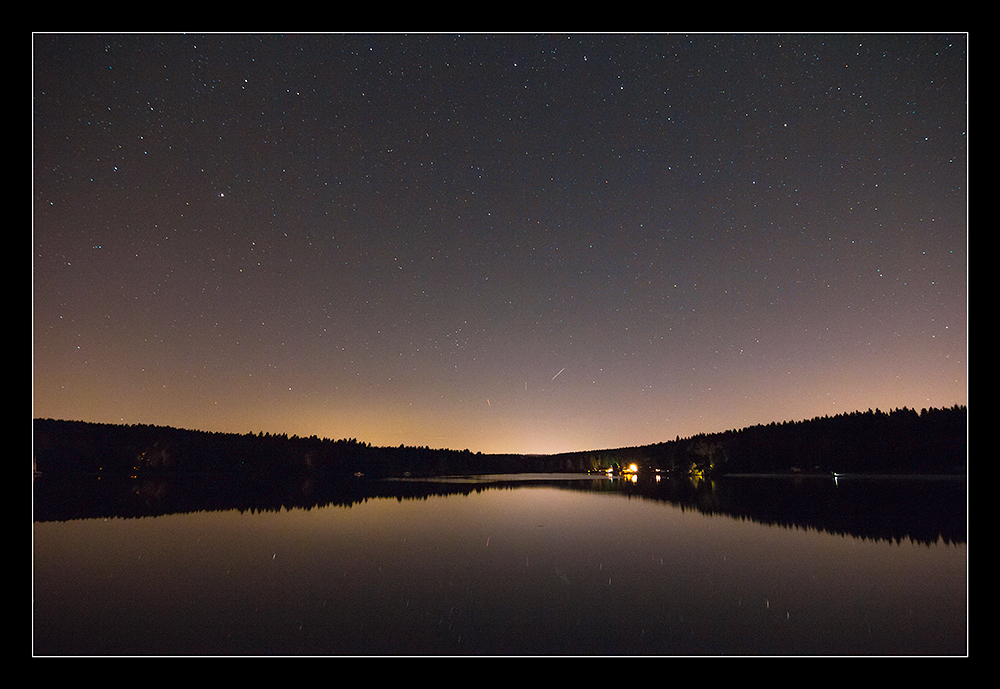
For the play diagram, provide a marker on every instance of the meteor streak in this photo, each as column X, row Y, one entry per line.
column 557, row 375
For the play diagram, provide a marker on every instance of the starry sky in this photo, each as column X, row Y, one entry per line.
column 527, row 243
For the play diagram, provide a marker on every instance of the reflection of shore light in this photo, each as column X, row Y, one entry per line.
column 629, row 472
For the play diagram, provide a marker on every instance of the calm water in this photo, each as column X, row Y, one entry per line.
column 522, row 567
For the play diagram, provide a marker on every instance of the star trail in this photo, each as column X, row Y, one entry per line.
column 500, row 242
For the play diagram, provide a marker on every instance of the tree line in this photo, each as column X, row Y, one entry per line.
column 903, row 441
column 932, row 441
column 63, row 447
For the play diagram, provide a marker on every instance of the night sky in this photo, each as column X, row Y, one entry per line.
column 505, row 243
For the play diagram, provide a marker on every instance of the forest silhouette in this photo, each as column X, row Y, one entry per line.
column 87, row 470
column 903, row 441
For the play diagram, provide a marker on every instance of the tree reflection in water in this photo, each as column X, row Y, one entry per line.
column 503, row 565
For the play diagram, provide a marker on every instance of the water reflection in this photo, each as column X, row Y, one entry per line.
column 922, row 509
column 500, row 565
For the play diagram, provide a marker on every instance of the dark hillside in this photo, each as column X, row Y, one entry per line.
column 903, row 441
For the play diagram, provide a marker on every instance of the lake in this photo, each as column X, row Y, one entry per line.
column 502, row 565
